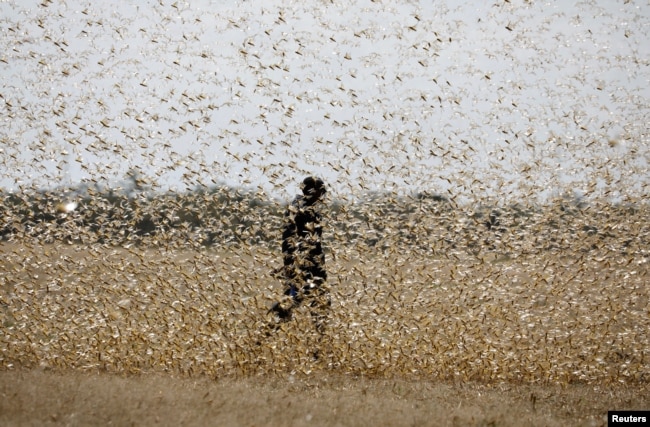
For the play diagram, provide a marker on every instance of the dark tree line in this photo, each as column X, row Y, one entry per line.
column 230, row 216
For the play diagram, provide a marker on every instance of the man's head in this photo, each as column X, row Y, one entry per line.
column 313, row 188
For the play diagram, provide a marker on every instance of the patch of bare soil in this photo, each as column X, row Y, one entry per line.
column 38, row 397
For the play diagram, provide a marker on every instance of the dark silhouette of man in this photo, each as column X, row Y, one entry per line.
column 304, row 261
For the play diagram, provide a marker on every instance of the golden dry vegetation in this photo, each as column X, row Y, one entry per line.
column 577, row 312
column 201, row 312
column 423, row 294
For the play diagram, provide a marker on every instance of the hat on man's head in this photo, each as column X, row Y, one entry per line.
column 311, row 185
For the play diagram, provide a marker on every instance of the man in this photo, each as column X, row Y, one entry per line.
column 304, row 261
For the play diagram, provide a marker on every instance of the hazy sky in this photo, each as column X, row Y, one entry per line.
column 499, row 100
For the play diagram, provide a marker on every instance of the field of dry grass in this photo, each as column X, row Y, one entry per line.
column 180, row 335
column 558, row 319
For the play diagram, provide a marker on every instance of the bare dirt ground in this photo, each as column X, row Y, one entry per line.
column 41, row 398
column 101, row 335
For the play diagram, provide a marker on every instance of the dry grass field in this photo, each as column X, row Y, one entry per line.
column 99, row 334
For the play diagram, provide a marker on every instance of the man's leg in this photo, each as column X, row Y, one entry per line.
column 319, row 305
column 292, row 296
